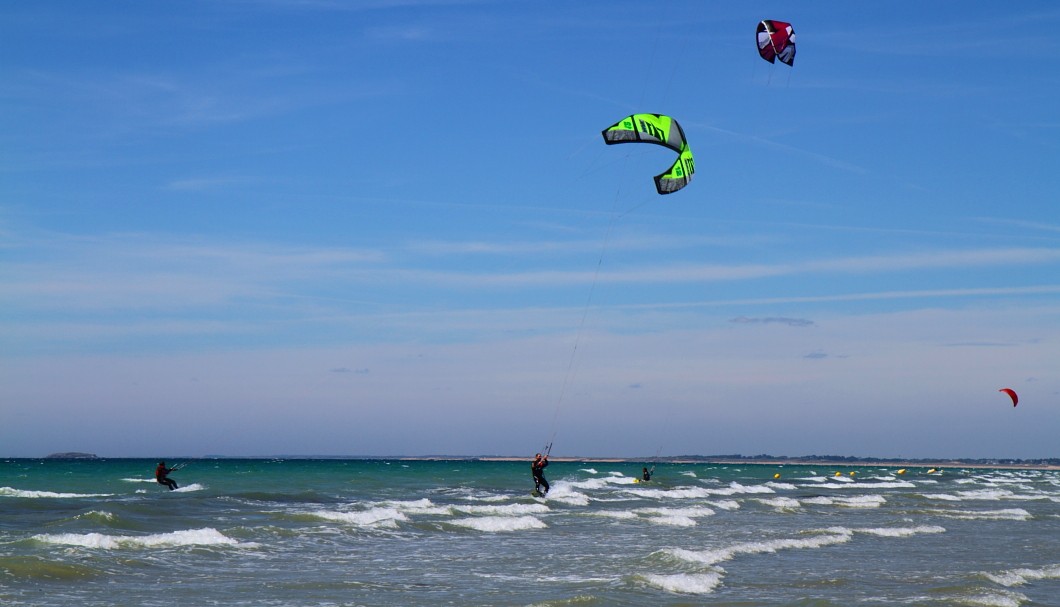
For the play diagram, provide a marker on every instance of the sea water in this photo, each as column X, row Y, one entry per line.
column 397, row 532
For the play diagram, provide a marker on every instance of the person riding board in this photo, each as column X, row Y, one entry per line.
column 646, row 475
column 537, row 468
column 162, row 476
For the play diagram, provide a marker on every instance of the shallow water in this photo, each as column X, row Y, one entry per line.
column 393, row 532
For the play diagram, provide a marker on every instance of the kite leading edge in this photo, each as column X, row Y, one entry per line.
column 660, row 130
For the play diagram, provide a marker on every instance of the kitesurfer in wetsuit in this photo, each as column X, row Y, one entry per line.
column 162, row 476
column 537, row 468
column 646, row 475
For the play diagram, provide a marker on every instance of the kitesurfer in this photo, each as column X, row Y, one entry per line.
column 537, row 468
column 646, row 475
column 162, row 476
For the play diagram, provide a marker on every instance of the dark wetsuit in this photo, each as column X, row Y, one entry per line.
column 161, row 473
column 646, row 476
column 537, row 468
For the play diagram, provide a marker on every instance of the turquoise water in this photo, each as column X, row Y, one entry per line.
column 393, row 532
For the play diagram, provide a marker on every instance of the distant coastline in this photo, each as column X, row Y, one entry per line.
column 725, row 460
column 813, row 460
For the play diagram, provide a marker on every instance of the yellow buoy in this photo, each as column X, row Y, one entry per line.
column 931, row 471
column 839, row 474
column 777, row 475
column 852, row 473
column 902, row 471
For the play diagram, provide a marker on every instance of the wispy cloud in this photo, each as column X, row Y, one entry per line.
column 780, row 320
column 538, row 247
column 409, row 33
column 149, row 270
column 199, row 184
column 677, row 273
column 128, row 103
column 347, row 370
column 137, row 271
column 871, row 296
column 1018, row 223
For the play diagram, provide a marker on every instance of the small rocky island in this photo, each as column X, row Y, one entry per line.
column 72, row 455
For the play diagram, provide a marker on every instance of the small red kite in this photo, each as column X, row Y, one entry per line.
column 1011, row 394
column 776, row 40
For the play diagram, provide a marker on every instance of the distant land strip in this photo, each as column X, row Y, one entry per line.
column 765, row 460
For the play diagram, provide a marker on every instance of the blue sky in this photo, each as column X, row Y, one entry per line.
column 392, row 227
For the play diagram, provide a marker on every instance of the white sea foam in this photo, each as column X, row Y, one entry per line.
column 781, row 486
column 189, row 488
column 989, row 495
column 689, row 473
column 945, row 497
column 589, row 470
column 190, row 537
column 409, row 504
column 686, row 583
column 830, row 537
column 139, row 480
column 677, row 493
column 738, row 489
column 505, row 510
column 487, row 497
column 1019, row 577
column 846, row 483
column 591, row 484
column 372, row 517
column 672, row 521
column 564, row 493
column 98, row 515
column 781, row 504
column 725, row 504
column 1005, row 494
column 496, row 524
column 421, row 506
column 887, row 485
column 617, row 514
column 902, row 531
column 675, row 517
column 10, row 492
column 859, row 501
column 1002, row 598
column 830, row 485
column 694, row 511
column 1010, row 514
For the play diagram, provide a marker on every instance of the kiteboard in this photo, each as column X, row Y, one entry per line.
column 536, row 493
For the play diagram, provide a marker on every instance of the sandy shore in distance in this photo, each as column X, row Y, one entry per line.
column 940, row 464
